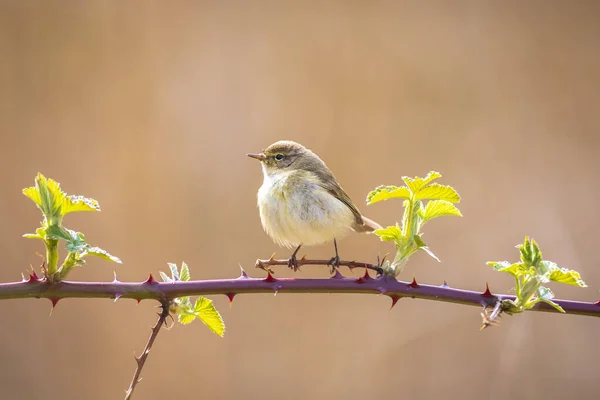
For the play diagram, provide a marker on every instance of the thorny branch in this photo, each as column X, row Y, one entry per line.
column 266, row 264
column 141, row 360
column 35, row 287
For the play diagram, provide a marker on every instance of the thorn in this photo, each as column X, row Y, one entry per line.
column 444, row 284
column 303, row 258
column 33, row 277
column 276, row 290
column 414, row 283
column 270, row 277
column 395, row 299
column 230, row 296
column 337, row 275
column 149, row 281
column 138, row 300
column 272, row 258
column 118, row 296
column 23, row 277
column 487, row 292
column 243, row 275
column 115, row 280
column 54, row 301
column 364, row 278
column 598, row 303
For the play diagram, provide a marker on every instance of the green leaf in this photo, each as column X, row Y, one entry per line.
column 98, row 252
column 40, row 233
column 34, row 194
column 553, row 304
column 46, row 194
column 438, row 208
column 566, row 276
column 174, row 271
column 387, row 192
column 56, row 232
column 435, row 191
column 516, row 269
column 206, row 312
column 499, row 265
column 530, row 252
column 165, row 277
column 389, row 234
column 185, row 272
column 423, row 246
column 79, row 203
column 186, row 315
column 545, row 293
column 416, row 184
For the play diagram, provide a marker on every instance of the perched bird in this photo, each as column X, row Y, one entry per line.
column 300, row 201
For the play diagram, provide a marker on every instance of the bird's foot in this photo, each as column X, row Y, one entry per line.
column 334, row 263
column 293, row 261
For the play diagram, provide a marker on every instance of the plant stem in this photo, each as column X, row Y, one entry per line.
column 141, row 360
column 52, row 256
column 151, row 289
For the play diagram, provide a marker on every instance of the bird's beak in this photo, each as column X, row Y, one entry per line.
column 258, row 156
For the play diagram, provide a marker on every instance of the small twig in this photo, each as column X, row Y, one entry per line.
column 162, row 317
column 491, row 319
column 265, row 264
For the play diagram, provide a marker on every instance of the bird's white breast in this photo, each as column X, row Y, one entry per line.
column 295, row 210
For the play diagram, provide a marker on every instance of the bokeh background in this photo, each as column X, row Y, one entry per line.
column 150, row 107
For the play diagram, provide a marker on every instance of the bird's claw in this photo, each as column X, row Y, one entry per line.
column 334, row 263
column 293, row 263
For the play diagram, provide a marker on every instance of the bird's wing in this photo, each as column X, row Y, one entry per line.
column 336, row 191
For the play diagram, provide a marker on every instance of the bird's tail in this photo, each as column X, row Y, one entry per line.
column 368, row 225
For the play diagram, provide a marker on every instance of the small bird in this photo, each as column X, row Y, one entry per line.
column 301, row 203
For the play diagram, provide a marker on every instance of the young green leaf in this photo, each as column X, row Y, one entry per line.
column 40, row 233
column 185, row 273
column 79, row 203
column 550, row 302
column 98, row 252
column 165, row 277
column 57, row 232
column 416, row 184
column 389, row 234
column 206, row 312
column 567, row 276
column 174, row 271
column 185, row 314
column 530, row 252
column 499, row 265
column 46, row 194
column 423, row 246
column 516, row 269
column 388, row 192
column 438, row 208
column 435, row 191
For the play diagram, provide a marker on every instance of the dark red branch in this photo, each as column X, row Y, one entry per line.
column 228, row 287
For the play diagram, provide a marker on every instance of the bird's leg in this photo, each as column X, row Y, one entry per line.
column 335, row 261
column 293, row 262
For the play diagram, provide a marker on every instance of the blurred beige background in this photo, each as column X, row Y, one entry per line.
column 150, row 107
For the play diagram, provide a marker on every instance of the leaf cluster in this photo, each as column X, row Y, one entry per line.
column 424, row 200
column 186, row 311
column 531, row 273
column 54, row 205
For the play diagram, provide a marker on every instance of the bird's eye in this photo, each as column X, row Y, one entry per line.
column 279, row 157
